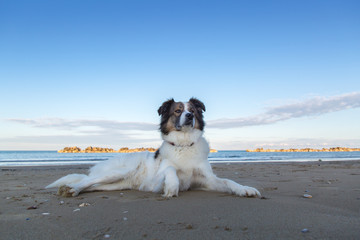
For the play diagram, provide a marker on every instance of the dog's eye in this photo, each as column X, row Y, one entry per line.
column 178, row 111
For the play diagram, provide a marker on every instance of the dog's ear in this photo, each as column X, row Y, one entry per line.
column 200, row 106
column 165, row 107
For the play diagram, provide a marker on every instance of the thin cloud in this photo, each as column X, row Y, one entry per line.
column 100, row 125
column 75, row 139
column 286, row 143
column 56, row 142
column 311, row 107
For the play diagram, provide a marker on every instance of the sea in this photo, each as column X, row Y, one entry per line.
column 53, row 158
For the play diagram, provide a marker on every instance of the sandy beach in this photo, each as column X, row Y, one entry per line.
column 28, row 211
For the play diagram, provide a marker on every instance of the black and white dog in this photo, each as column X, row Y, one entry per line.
column 181, row 163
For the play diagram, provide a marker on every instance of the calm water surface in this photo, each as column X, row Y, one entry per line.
column 48, row 158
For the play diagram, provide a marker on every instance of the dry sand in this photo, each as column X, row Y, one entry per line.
column 333, row 212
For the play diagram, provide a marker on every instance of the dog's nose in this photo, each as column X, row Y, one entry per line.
column 189, row 116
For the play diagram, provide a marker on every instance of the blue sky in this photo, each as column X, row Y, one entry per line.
column 271, row 73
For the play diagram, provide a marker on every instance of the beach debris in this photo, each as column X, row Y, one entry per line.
column 271, row 188
column 45, row 214
column 227, row 228
column 62, row 202
column 307, row 196
column 189, row 226
column 125, row 218
column 27, row 219
column 32, row 207
column 8, row 169
column 76, row 210
column 84, row 204
column 305, row 230
column 107, row 236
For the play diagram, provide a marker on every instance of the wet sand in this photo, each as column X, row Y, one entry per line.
column 28, row 211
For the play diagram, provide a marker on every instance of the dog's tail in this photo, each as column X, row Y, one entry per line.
column 71, row 178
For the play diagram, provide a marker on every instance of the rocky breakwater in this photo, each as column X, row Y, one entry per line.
column 335, row 149
column 109, row 150
column 127, row 150
column 70, row 150
column 104, row 150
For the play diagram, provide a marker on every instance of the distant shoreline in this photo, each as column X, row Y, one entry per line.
column 335, row 149
column 142, row 149
column 109, row 150
column 104, row 150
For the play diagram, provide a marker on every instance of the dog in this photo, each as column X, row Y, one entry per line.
column 181, row 163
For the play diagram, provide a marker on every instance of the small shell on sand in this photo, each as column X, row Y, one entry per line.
column 307, row 196
column 84, row 204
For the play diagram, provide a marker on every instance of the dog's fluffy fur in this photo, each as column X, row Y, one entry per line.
column 181, row 162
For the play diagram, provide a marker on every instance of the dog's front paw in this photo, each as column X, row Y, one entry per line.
column 169, row 195
column 171, row 192
column 246, row 191
column 74, row 192
column 66, row 191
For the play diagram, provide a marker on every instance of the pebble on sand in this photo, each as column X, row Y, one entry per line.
column 84, row 204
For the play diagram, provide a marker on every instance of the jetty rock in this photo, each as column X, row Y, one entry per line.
column 70, row 150
column 109, row 150
column 104, row 150
column 127, row 150
column 98, row 150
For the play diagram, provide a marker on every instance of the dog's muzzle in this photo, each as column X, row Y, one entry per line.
column 187, row 121
column 189, row 117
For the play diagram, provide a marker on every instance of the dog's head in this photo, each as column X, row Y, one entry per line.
column 181, row 116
